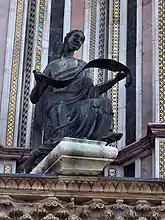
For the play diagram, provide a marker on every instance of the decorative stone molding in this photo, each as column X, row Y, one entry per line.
column 102, row 187
column 27, row 197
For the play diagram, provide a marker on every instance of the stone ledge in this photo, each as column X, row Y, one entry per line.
column 80, row 156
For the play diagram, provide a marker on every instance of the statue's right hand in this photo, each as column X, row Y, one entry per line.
column 37, row 76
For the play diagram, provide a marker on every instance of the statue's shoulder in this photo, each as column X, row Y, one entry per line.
column 54, row 62
column 81, row 62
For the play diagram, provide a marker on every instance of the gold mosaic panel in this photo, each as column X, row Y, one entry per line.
column 8, row 168
column 112, row 172
column 162, row 82
column 161, row 60
column 161, row 159
column 40, row 35
column 15, row 70
column 115, row 56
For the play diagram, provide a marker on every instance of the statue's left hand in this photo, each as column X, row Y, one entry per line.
column 37, row 76
column 121, row 75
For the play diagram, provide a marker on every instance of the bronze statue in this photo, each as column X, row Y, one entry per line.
column 68, row 104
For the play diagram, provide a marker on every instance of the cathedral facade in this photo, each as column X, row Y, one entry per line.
column 129, row 31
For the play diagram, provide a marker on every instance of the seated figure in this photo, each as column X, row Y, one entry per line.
column 68, row 103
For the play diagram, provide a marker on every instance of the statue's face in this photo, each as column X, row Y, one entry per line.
column 75, row 41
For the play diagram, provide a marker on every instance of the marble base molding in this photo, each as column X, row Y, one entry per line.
column 74, row 156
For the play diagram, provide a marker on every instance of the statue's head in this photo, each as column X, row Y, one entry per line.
column 74, row 40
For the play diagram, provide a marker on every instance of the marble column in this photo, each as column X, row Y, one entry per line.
column 147, row 65
column 94, row 35
column 67, row 17
column 122, row 59
column 156, row 68
column 131, row 62
column 11, row 68
column 20, row 76
column 4, row 13
column 139, row 47
column 158, row 80
column 114, row 47
column 77, row 20
column 87, row 17
column 57, row 19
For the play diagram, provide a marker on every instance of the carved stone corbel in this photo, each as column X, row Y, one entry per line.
column 50, row 217
column 62, row 213
column 119, row 205
column 142, row 205
column 154, row 216
column 109, row 214
column 15, row 213
column 3, row 216
column 131, row 215
column 40, row 212
column 74, row 217
column 26, row 216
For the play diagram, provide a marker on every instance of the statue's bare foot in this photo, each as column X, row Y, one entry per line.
column 111, row 137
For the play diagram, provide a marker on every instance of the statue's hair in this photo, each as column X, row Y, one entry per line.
column 68, row 35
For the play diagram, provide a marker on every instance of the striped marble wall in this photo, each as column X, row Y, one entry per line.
column 27, row 45
column 34, row 34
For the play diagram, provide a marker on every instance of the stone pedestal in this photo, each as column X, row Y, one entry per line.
column 77, row 157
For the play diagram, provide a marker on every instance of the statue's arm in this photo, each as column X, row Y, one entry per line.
column 40, row 86
column 104, row 87
column 37, row 91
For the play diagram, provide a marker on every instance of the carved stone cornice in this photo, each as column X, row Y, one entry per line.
column 143, row 145
column 28, row 197
column 13, row 153
column 156, row 130
column 133, row 150
column 17, row 186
